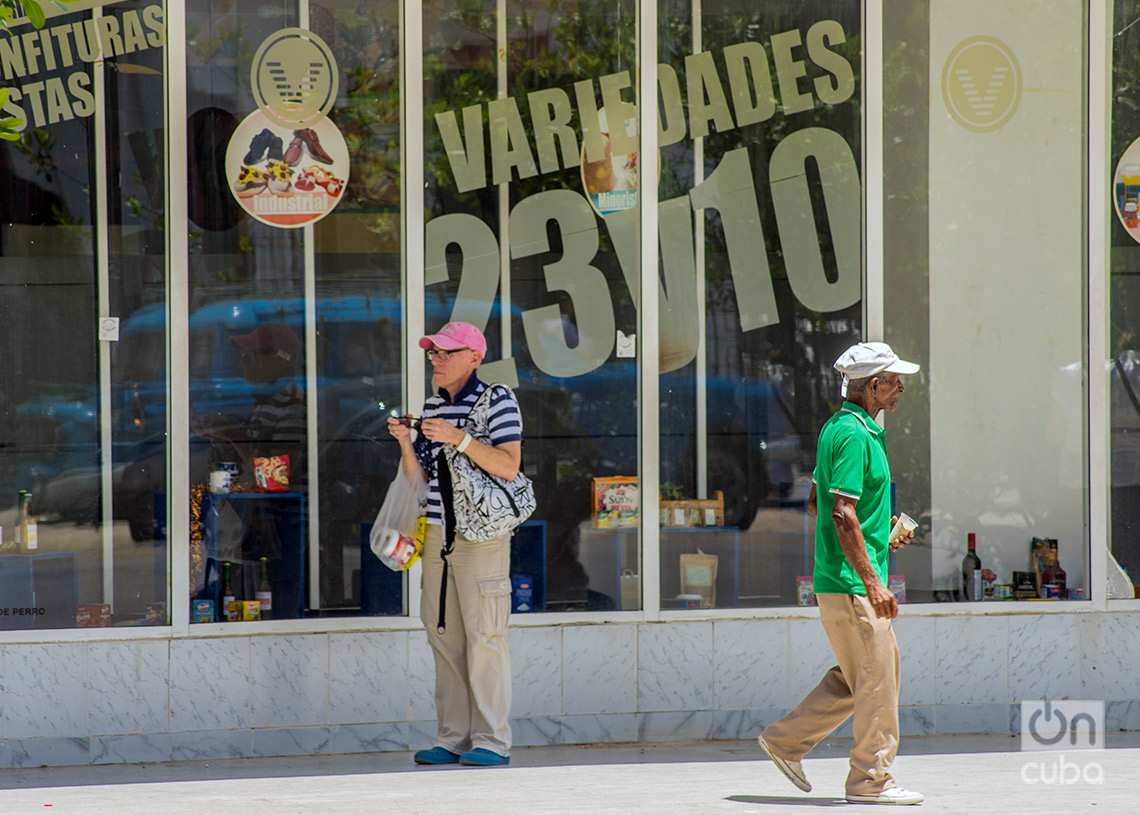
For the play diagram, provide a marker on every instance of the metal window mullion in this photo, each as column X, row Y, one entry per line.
column 702, row 407
column 649, row 441
column 178, row 323
column 1098, row 281
column 872, row 91
column 103, row 273
column 412, row 233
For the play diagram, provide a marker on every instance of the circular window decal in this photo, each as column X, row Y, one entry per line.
column 294, row 77
column 286, row 177
column 1126, row 190
column 981, row 84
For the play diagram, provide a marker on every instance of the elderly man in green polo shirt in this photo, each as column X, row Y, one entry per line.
column 852, row 485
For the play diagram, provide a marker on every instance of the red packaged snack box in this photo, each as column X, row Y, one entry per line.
column 93, row 615
column 271, row 473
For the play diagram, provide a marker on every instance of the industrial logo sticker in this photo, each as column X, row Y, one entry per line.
column 287, row 163
column 981, row 84
column 1126, row 190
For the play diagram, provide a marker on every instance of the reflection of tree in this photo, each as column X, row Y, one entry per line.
column 367, row 53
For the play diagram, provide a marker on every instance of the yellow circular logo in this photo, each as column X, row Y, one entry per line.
column 981, row 84
column 294, row 77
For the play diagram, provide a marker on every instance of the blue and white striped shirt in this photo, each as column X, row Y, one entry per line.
column 503, row 417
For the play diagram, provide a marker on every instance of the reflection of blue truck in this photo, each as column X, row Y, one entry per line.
column 576, row 428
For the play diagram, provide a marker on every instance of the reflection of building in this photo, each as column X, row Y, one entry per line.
column 774, row 253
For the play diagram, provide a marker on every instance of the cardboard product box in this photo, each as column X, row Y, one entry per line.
column 93, row 615
column 896, row 583
column 1024, row 586
column 805, row 590
column 615, row 501
column 694, row 511
column 201, row 611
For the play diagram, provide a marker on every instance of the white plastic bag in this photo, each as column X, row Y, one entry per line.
column 398, row 531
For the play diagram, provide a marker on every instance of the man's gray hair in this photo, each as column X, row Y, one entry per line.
column 859, row 385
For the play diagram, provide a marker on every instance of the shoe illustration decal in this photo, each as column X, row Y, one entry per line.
column 250, row 182
column 323, row 178
column 258, row 145
column 294, row 151
column 304, row 182
column 313, row 143
column 280, row 178
column 274, row 145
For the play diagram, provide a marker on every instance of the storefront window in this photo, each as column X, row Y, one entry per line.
column 762, row 288
column 520, row 240
column 984, row 281
column 84, row 377
column 295, row 310
column 1123, row 368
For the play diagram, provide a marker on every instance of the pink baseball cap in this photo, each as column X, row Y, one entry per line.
column 454, row 336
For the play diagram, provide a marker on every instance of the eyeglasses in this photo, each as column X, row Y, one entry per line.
column 444, row 356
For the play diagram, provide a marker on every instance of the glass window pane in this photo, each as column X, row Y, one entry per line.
column 84, row 399
column 761, row 288
column 1123, row 368
column 990, row 438
column 555, row 318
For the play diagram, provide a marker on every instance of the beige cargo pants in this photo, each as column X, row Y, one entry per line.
column 472, row 664
column 864, row 683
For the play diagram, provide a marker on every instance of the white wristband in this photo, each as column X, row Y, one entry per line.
column 463, row 444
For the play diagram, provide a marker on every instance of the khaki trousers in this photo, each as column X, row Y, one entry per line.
column 472, row 664
column 865, row 682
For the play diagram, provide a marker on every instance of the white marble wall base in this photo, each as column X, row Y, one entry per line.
column 59, row 752
column 603, row 728
column 538, row 731
column 131, row 749
column 971, row 718
column 108, row 701
column 421, row 735
column 916, row 721
column 675, row 726
column 370, row 738
column 292, row 741
column 212, row 744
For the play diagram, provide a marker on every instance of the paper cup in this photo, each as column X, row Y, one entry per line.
column 904, row 522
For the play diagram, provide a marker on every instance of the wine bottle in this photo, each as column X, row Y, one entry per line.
column 264, row 593
column 229, row 611
column 27, row 536
column 1054, row 575
column 971, row 571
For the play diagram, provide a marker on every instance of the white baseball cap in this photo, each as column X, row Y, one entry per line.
column 869, row 358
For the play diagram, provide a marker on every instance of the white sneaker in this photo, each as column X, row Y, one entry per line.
column 892, row 795
column 792, row 769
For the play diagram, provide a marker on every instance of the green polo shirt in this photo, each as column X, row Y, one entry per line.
column 851, row 460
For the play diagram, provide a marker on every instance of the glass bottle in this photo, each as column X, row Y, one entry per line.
column 228, row 611
column 27, row 536
column 971, row 571
column 264, row 592
column 1054, row 575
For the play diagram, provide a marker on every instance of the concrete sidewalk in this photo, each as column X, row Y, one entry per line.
column 958, row 774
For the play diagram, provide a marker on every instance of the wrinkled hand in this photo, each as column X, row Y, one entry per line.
column 398, row 430
column 442, row 431
column 882, row 600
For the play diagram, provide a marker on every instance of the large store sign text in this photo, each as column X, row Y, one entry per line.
column 756, row 76
column 59, row 98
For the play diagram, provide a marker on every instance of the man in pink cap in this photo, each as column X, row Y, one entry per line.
column 853, row 522
column 468, row 637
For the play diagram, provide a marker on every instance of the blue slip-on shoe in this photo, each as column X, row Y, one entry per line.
column 436, row 755
column 482, row 757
